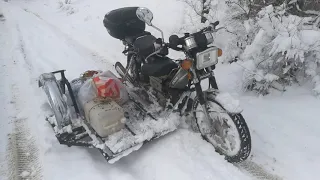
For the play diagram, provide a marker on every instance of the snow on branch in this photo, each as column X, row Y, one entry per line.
column 281, row 46
column 288, row 51
column 66, row 5
column 200, row 7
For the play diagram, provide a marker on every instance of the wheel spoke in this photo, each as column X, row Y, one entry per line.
column 220, row 135
column 230, row 135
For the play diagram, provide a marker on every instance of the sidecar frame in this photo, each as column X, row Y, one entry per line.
column 74, row 130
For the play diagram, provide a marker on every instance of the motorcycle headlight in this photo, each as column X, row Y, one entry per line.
column 207, row 58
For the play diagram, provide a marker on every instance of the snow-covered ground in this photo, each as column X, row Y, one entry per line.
column 38, row 36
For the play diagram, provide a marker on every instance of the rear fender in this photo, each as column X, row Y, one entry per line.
column 46, row 77
column 56, row 99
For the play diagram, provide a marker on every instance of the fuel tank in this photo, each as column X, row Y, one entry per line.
column 180, row 79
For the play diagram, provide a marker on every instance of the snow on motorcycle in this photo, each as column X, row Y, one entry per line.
column 117, row 115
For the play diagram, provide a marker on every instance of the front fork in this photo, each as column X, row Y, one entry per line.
column 202, row 96
column 212, row 79
column 197, row 80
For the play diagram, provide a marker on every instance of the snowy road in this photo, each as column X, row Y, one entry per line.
column 33, row 42
column 32, row 47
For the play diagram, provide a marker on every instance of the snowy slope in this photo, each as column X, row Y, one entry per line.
column 38, row 37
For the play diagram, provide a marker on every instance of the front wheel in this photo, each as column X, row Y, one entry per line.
column 228, row 133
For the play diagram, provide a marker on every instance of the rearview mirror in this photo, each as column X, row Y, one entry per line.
column 145, row 15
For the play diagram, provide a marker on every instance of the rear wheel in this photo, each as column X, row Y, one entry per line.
column 229, row 133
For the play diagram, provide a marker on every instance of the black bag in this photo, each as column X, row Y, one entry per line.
column 123, row 22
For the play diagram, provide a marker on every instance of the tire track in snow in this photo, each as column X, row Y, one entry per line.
column 23, row 51
column 22, row 159
column 94, row 55
column 26, row 153
column 22, row 153
column 9, row 171
column 256, row 171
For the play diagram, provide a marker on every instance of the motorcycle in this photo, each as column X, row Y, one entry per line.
column 176, row 81
column 160, row 91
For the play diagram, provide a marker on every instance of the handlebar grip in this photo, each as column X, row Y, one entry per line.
column 174, row 42
column 216, row 23
column 212, row 26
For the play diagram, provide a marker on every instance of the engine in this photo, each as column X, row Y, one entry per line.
column 163, row 89
column 157, row 83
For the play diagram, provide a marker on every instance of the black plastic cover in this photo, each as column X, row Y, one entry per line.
column 145, row 45
column 123, row 22
column 201, row 40
column 161, row 66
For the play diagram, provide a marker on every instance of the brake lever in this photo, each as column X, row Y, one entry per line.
column 212, row 26
column 174, row 48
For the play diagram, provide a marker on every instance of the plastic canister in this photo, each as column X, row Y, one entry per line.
column 105, row 117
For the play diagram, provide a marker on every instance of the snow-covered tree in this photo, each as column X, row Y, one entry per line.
column 228, row 13
column 200, row 7
column 283, row 52
column 277, row 39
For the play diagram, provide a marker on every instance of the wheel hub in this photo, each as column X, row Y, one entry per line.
column 222, row 134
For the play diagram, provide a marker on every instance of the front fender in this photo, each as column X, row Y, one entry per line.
column 229, row 103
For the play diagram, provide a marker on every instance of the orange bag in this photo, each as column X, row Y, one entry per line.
column 107, row 87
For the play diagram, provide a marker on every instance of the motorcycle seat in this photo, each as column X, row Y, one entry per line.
column 160, row 66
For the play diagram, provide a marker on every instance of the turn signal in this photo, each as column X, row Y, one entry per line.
column 189, row 75
column 186, row 64
column 219, row 52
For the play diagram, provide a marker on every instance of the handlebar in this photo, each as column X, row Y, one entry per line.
column 174, row 40
column 211, row 27
column 174, row 47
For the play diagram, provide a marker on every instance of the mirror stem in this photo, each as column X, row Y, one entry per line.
column 160, row 32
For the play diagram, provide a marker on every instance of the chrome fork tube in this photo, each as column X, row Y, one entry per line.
column 202, row 100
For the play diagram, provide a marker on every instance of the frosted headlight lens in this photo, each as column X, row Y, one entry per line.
column 207, row 58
